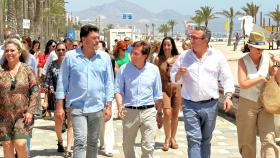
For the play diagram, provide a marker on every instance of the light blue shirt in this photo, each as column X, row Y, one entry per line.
column 32, row 62
column 139, row 87
column 86, row 83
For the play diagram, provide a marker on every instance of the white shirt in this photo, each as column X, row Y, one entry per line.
column 201, row 80
column 52, row 57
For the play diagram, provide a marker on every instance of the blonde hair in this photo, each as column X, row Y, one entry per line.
column 21, row 48
column 187, row 43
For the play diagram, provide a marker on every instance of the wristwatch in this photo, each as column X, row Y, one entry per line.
column 228, row 95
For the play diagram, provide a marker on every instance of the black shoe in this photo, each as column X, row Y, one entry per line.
column 60, row 147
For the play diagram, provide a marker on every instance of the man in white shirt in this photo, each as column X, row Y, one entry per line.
column 199, row 70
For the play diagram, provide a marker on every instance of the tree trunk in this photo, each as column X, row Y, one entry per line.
column 19, row 15
column 31, row 14
column 11, row 16
column 1, row 19
column 230, row 32
column 38, row 19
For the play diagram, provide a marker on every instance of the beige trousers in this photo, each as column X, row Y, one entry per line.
column 250, row 119
column 145, row 120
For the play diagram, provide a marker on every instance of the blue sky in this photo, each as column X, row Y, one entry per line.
column 186, row 7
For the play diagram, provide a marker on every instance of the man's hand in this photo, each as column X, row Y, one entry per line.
column 227, row 104
column 121, row 111
column 107, row 113
column 159, row 119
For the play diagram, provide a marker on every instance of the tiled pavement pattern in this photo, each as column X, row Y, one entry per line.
column 224, row 142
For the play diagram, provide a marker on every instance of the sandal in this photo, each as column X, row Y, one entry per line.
column 173, row 144
column 68, row 154
column 165, row 147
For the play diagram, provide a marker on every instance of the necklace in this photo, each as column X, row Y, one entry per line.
column 13, row 72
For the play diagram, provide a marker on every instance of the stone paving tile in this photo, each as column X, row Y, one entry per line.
column 224, row 142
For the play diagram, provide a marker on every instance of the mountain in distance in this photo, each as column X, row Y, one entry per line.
column 111, row 13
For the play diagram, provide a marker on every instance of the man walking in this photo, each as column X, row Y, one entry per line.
column 199, row 70
column 86, row 80
column 139, row 98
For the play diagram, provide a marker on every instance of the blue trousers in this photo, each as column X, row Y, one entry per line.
column 200, row 120
column 86, row 132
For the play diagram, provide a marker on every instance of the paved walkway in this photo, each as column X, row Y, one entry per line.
column 224, row 142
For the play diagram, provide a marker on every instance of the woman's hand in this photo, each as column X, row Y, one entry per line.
column 27, row 118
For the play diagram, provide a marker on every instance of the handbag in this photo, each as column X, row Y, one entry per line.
column 270, row 96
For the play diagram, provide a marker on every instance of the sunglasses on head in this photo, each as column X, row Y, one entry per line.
column 13, row 84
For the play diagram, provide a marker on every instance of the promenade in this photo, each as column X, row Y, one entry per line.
column 224, row 142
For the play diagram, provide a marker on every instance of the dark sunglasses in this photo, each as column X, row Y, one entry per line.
column 60, row 50
column 75, row 46
column 13, row 84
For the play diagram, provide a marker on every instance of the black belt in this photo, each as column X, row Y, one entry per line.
column 140, row 107
column 202, row 101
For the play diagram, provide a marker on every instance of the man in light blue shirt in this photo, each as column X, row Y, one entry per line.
column 138, row 94
column 86, row 80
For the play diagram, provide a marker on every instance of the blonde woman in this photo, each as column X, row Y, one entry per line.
column 19, row 97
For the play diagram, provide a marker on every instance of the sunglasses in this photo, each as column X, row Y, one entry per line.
column 75, row 46
column 60, row 50
column 13, row 84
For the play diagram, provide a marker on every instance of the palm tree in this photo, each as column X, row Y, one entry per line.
column 230, row 14
column 275, row 15
column 153, row 31
column 147, row 29
column 251, row 9
column 197, row 19
column 19, row 16
column 110, row 26
column 38, row 18
column 2, row 8
column 164, row 28
column 11, row 15
column 31, row 16
column 172, row 23
column 206, row 13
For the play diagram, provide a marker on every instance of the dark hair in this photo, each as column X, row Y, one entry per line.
column 86, row 29
column 28, row 40
column 245, row 49
column 24, row 53
column 146, row 47
column 67, row 40
column 103, row 44
column 35, row 42
column 50, row 42
column 206, row 32
column 174, row 50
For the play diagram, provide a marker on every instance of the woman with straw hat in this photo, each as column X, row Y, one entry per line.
column 253, row 70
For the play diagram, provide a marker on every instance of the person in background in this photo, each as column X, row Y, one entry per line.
column 26, row 40
column 186, row 45
column 43, row 60
column 68, row 43
column 253, row 70
column 128, row 42
column 106, row 135
column 79, row 68
column 155, row 46
column 51, row 82
column 35, row 50
column 120, row 54
column 76, row 44
column 171, row 92
column 199, row 70
column 42, row 57
column 139, row 98
column 18, row 99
